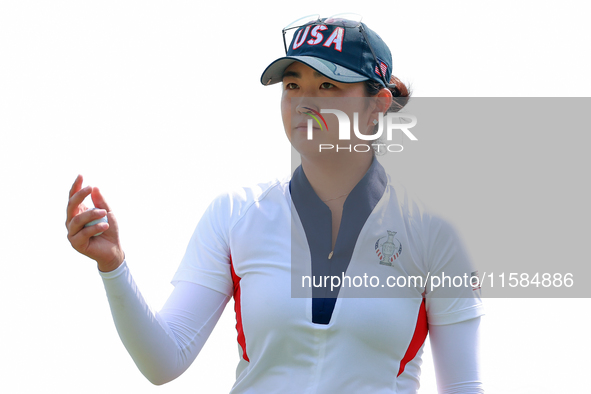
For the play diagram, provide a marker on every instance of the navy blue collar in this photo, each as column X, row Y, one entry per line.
column 316, row 219
column 369, row 190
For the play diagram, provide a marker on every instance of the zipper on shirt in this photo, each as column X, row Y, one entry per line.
column 330, row 254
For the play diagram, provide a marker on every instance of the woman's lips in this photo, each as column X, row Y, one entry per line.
column 303, row 126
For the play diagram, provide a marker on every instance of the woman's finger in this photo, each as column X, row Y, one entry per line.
column 74, row 189
column 98, row 200
column 76, row 185
column 83, row 236
column 75, row 201
column 80, row 220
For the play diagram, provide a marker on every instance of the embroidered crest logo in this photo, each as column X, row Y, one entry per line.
column 389, row 250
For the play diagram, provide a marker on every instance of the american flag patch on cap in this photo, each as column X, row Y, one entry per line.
column 383, row 66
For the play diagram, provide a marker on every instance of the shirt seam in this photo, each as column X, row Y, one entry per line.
column 258, row 198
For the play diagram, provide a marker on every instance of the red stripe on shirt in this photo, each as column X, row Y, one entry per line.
column 418, row 338
column 238, row 309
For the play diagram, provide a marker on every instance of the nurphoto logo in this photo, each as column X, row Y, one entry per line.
column 390, row 122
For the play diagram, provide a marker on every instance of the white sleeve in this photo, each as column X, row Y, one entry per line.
column 162, row 344
column 456, row 355
column 207, row 260
column 450, row 297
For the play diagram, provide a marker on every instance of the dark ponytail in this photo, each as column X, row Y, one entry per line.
column 400, row 97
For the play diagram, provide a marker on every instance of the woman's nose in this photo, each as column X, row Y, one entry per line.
column 305, row 106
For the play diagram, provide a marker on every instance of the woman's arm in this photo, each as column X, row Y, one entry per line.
column 162, row 344
column 456, row 349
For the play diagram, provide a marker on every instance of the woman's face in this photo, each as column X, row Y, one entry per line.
column 303, row 87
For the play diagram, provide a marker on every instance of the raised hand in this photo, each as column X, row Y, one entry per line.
column 105, row 249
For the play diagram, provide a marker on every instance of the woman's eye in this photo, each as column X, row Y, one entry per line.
column 327, row 85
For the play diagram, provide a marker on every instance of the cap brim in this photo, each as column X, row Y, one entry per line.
column 274, row 72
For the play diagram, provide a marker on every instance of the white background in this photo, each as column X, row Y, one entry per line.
column 160, row 105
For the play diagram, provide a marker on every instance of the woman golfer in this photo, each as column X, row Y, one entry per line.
column 336, row 272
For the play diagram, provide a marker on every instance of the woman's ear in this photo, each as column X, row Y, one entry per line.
column 384, row 100
column 381, row 103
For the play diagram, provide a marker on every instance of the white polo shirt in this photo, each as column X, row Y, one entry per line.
column 261, row 244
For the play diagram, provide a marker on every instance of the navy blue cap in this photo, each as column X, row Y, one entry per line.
column 339, row 53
